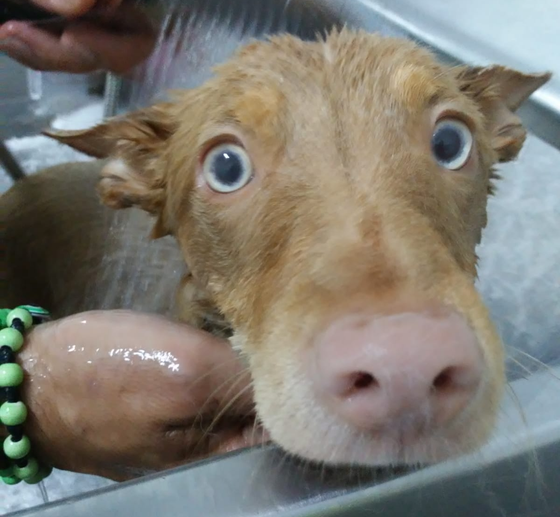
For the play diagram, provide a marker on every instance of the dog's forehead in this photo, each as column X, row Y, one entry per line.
column 285, row 77
column 378, row 71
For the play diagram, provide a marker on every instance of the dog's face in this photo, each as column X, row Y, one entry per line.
column 328, row 198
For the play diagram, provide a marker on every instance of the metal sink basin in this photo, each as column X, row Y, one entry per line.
column 517, row 474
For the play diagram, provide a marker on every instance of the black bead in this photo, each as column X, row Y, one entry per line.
column 6, row 355
column 18, row 325
column 16, row 431
column 11, row 394
column 4, row 462
column 22, row 462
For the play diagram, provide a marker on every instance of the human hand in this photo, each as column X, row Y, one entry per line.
column 120, row 394
column 120, row 38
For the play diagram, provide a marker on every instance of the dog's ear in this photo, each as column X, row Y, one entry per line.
column 499, row 92
column 134, row 145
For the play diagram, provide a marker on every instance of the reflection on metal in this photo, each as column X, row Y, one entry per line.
column 113, row 88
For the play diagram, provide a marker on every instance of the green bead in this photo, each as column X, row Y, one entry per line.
column 29, row 471
column 11, row 375
column 21, row 314
column 44, row 472
column 4, row 317
column 16, row 450
column 11, row 480
column 12, row 338
column 36, row 479
column 13, row 413
column 4, row 473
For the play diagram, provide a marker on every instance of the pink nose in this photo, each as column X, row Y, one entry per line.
column 407, row 370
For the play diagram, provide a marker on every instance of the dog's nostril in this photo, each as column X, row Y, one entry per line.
column 444, row 381
column 365, row 380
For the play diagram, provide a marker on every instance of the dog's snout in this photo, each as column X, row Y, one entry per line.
column 375, row 372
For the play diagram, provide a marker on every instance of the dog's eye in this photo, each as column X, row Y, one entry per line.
column 227, row 168
column 452, row 142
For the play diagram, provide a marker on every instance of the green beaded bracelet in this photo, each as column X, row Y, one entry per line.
column 13, row 412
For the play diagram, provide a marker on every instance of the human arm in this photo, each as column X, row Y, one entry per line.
column 121, row 394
